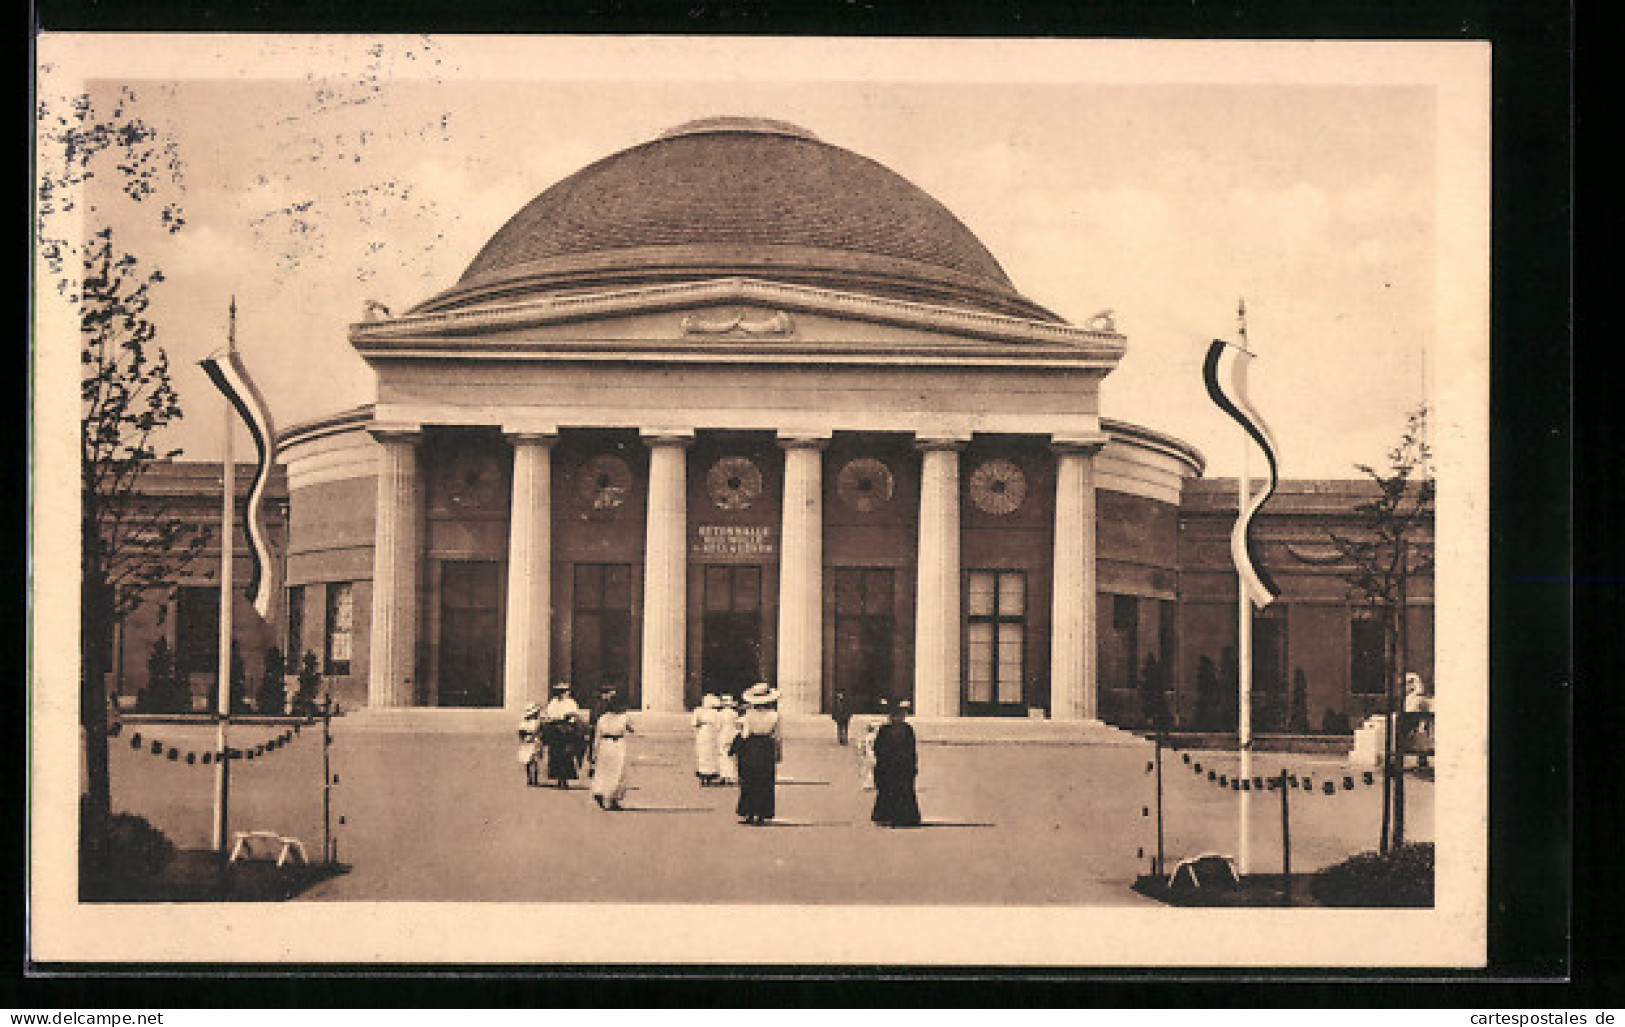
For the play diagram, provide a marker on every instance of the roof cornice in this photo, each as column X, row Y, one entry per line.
column 413, row 336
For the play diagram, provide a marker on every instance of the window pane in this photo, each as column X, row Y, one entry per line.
column 848, row 591
column 1012, row 594
column 1010, row 662
column 618, row 587
column 747, row 588
column 877, row 592
column 1125, row 612
column 589, row 590
column 718, row 586
column 979, row 662
column 980, row 598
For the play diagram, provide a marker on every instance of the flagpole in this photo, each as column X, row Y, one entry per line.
column 1244, row 643
column 222, row 763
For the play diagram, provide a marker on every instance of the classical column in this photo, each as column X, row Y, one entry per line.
column 1074, row 648
column 936, row 619
column 530, row 565
column 665, row 573
column 392, row 674
column 801, row 577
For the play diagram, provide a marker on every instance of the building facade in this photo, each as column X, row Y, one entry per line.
column 739, row 405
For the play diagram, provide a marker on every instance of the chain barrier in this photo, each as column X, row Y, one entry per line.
column 192, row 757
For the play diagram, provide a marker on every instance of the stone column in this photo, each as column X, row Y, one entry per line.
column 1074, row 648
column 936, row 618
column 530, row 571
column 665, row 573
column 397, row 557
column 801, row 578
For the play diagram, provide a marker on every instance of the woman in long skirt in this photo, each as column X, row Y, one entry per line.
column 705, row 739
column 727, row 731
column 530, row 745
column 609, row 768
column 896, row 765
column 562, row 733
column 758, row 755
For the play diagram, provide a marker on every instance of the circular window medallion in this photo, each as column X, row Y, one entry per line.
column 603, row 482
column 864, row 484
column 998, row 487
column 733, row 483
column 471, row 482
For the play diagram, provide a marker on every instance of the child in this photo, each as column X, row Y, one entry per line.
column 530, row 745
column 866, row 755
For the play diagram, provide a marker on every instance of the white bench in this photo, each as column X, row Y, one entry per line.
column 288, row 846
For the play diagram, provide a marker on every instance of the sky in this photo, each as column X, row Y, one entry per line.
column 1164, row 183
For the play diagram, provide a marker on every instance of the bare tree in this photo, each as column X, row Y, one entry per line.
column 1391, row 545
column 132, row 546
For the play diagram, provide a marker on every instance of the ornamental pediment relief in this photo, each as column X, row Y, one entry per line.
column 738, row 322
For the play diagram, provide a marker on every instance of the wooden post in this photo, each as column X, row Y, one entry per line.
column 1160, row 730
column 1286, row 841
column 327, row 779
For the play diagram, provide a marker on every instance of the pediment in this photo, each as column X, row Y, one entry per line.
column 731, row 319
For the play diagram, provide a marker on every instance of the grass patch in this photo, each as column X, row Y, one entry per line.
column 1404, row 877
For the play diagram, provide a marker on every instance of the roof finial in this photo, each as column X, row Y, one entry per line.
column 231, row 328
column 1241, row 323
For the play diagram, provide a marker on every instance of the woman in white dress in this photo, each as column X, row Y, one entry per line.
column 727, row 731
column 609, row 770
column 705, row 740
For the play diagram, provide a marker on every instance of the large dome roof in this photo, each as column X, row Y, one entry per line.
column 738, row 196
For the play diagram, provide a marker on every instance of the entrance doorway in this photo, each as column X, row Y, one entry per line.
column 731, row 631
column 471, row 636
column 601, row 629
column 865, row 635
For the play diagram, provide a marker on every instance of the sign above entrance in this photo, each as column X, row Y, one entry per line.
column 732, row 540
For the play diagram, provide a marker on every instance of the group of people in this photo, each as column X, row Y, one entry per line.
column 729, row 748
column 567, row 739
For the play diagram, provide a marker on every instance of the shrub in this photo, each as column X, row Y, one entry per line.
column 310, row 681
column 271, row 696
column 1336, row 722
column 1298, row 720
column 118, row 848
column 165, row 692
column 1404, row 877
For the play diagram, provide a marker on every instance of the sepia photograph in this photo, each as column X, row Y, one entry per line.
column 570, row 500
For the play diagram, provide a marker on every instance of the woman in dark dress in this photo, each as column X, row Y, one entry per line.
column 758, row 754
column 895, row 768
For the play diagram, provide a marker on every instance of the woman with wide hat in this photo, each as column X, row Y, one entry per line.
column 561, row 729
column 896, row 765
column 705, row 739
column 757, row 749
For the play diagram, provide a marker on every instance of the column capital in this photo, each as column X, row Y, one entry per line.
column 396, row 431
column 803, row 440
column 666, row 436
column 529, row 437
column 1088, row 445
column 939, row 444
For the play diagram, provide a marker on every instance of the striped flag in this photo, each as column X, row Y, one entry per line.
column 1225, row 372
column 231, row 378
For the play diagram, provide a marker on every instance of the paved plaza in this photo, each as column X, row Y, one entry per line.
column 443, row 814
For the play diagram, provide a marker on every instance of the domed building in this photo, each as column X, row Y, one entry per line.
column 733, row 405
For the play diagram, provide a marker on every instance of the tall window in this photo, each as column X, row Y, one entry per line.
column 197, row 630
column 1365, row 654
column 293, row 647
column 340, row 632
column 995, row 636
column 601, row 628
column 1126, row 625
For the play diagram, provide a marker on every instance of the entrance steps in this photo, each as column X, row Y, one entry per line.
column 929, row 730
